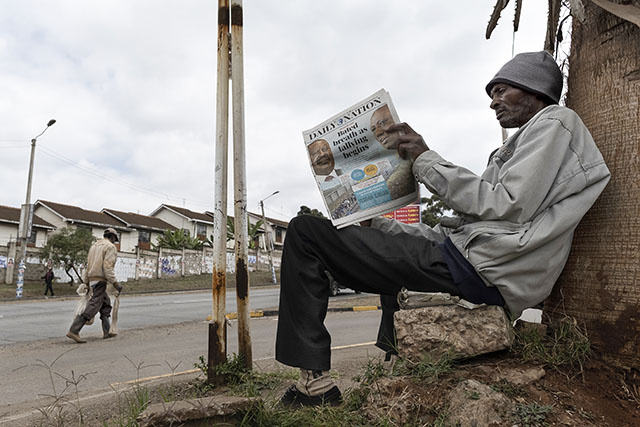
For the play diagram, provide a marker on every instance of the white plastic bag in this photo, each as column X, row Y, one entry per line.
column 114, row 315
column 85, row 295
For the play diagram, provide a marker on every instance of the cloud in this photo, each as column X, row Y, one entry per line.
column 132, row 85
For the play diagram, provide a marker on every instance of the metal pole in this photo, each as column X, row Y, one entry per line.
column 240, row 185
column 25, row 217
column 218, row 326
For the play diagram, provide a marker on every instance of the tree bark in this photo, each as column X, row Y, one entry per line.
column 601, row 282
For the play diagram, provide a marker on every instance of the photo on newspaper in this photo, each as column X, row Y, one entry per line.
column 356, row 165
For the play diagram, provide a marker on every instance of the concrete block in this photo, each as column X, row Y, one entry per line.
column 441, row 329
column 195, row 412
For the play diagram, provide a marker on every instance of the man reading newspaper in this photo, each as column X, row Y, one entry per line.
column 507, row 247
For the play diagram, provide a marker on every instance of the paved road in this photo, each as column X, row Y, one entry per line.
column 28, row 369
column 28, row 321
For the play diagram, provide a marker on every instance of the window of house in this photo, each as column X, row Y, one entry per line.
column 201, row 231
column 279, row 235
column 144, row 239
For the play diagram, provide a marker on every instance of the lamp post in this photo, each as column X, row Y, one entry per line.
column 267, row 242
column 26, row 216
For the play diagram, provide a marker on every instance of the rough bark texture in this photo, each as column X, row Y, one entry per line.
column 601, row 282
column 440, row 329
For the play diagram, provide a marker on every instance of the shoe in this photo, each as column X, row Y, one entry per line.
column 293, row 397
column 74, row 330
column 106, row 325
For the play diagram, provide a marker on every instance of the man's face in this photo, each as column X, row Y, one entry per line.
column 321, row 157
column 514, row 107
column 381, row 118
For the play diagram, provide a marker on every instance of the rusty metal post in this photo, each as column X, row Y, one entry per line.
column 240, row 185
column 217, row 327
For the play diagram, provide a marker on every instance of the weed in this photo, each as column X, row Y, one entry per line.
column 132, row 402
column 508, row 389
column 429, row 368
column 532, row 414
column 373, row 370
column 56, row 413
column 565, row 344
column 202, row 365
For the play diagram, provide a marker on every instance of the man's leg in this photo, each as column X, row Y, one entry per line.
column 89, row 312
column 105, row 316
column 362, row 258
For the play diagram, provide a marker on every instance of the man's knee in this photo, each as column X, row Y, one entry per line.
column 303, row 224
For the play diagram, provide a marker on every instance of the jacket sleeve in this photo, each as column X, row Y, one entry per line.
column 522, row 183
column 109, row 263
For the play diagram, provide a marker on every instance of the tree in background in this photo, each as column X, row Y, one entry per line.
column 68, row 248
column 434, row 209
column 305, row 210
column 177, row 239
column 252, row 231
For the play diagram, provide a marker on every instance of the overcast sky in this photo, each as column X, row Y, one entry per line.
column 131, row 84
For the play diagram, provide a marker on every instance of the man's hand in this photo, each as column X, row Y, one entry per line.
column 118, row 288
column 411, row 144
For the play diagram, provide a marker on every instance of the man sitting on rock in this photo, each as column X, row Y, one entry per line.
column 507, row 247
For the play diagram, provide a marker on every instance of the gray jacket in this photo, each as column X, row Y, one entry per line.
column 520, row 215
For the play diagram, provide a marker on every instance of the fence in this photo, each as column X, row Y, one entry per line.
column 145, row 264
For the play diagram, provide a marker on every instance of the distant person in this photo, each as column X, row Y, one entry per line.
column 48, row 280
column 321, row 156
column 99, row 273
column 507, row 247
column 400, row 182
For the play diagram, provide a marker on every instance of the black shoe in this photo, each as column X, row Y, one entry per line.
column 295, row 398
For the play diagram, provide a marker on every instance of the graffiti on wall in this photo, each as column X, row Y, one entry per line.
column 125, row 269
column 147, row 267
column 171, row 265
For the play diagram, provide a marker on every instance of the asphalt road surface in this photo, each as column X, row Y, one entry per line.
column 28, row 321
column 160, row 335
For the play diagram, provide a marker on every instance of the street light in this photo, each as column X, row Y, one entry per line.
column 267, row 242
column 26, row 216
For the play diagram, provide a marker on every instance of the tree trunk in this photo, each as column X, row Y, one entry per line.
column 601, row 282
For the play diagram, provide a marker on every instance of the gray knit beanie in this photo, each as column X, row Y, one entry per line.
column 535, row 72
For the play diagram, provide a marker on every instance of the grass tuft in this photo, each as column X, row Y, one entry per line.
column 564, row 344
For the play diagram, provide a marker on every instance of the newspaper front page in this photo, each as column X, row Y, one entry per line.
column 356, row 165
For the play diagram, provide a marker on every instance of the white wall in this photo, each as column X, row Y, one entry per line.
column 8, row 232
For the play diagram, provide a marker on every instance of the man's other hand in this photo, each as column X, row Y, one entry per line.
column 410, row 145
column 118, row 288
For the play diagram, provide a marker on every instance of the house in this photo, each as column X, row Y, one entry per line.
column 197, row 224
column 60, row 215
column 9, row 222
column 146, row 229
column 200, row 225
column 276, row 230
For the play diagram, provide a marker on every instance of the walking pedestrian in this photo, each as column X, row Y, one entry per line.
column 100, row 273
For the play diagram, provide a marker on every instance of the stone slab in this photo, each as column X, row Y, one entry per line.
column 185, row 412
column 439, row 330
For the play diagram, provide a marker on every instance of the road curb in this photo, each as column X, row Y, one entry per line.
column 272, row 313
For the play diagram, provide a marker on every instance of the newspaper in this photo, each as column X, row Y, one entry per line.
column 356, row 165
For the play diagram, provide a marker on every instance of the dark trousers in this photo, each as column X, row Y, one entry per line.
column 99, row 302
column 48, row 288
column 361, row 258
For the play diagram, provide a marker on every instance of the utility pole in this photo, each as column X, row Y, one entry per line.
column 26, row 217
column 240, row 185
column 230, row 12
column 267, row 239
column 217, row 353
